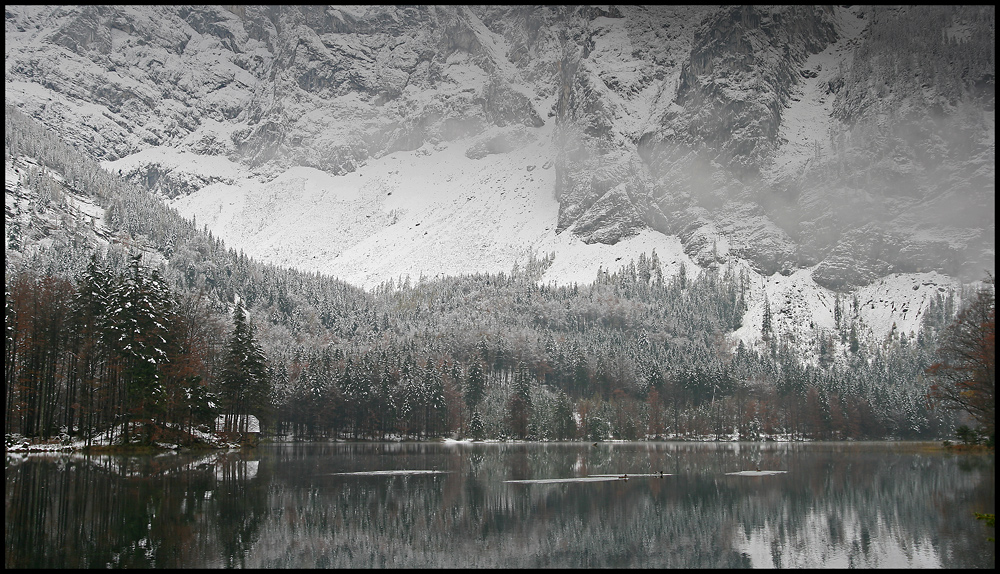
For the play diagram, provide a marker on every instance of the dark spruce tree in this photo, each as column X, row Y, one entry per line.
column 89, row 341
column 245, row 384
column 519, row 404
column 475, row 387
column 141, row 323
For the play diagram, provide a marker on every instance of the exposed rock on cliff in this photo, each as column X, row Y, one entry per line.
column 859, row 140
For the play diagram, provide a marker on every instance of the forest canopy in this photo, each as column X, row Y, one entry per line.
column 633, row 355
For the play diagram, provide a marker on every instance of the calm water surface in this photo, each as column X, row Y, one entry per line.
column 323, row 505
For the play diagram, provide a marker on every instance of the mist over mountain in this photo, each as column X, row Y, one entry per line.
column 376, row 142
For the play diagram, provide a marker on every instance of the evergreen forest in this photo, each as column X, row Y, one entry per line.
column 145, row 326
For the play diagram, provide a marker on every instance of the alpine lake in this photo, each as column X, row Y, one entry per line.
column 505, row 505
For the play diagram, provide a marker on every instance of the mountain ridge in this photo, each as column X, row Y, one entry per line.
column 613, row 100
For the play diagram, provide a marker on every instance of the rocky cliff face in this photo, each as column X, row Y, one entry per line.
column 856, row 140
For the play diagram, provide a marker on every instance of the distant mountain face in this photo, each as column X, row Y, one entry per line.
column 856, row 141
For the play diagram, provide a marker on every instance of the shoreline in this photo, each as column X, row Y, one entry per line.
column 79, row 447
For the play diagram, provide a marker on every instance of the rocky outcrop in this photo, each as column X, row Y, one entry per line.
column 739, row 77
column 505, row 141
column 674, row 118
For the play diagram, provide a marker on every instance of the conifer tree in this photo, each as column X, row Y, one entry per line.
column 519, row 404
column 765, row 326
column 475, row 387
column 245, row 385
column 432, row 399
column 565, row 424
column 141, row 322
column 91, row 304
column 477, row 429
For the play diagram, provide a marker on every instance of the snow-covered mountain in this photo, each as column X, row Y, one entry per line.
column 824, row 148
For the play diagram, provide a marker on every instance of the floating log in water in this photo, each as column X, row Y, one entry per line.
column 390, row 472
column 558, row 480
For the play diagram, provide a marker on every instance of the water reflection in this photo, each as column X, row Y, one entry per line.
column 131, row 512
column 365, row 505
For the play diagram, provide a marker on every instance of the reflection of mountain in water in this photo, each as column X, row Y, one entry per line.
column 841, row 499
column 861, row 505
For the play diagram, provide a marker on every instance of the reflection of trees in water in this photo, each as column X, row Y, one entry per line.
column 241, row 507
column 856, row 503
column 87, row 512
column 129, row 512
column 863, row 508
column 859, row 504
